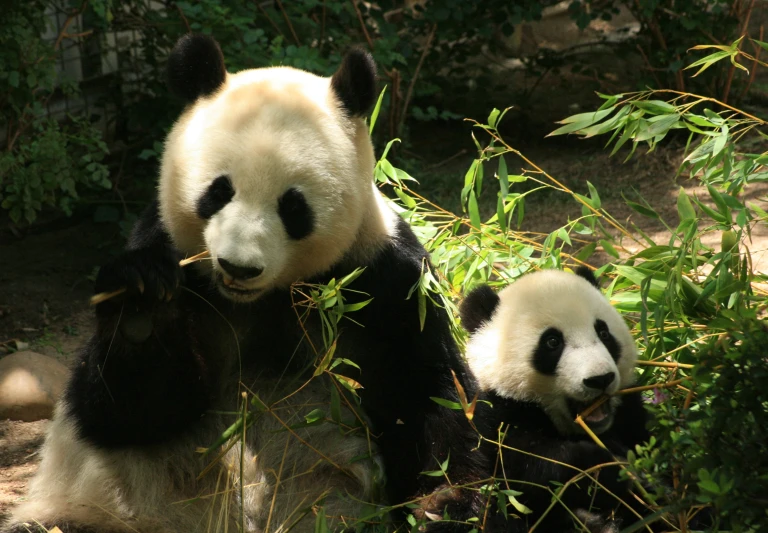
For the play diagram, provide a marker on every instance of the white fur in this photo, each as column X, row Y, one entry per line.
column 156, row 490
column 500, row 353
column 269, row 130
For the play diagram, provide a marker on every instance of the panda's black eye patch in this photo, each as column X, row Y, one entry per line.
column 297, row 216
column 548, row 351
column 218, row 194
column 607, row 338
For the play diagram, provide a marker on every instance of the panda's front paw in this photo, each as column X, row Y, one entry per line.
column 142, row 277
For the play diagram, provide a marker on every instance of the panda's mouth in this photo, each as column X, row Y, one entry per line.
column 234, row 291
column 598, row 418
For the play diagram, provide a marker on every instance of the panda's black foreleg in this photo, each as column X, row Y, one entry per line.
column 141, row 378
column 536, row 461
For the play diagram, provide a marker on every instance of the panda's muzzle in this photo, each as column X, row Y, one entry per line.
column 236, row 272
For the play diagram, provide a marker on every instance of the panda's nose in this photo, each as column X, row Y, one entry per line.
column 600, row 382
column 240, row 272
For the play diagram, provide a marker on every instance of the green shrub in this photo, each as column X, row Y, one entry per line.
column 695, row 309
column 43, row 162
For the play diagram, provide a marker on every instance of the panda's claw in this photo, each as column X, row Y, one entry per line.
column 147, row 275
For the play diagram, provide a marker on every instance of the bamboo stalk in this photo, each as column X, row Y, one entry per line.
column 104, row 296
column 667, row 385
column 665, row 364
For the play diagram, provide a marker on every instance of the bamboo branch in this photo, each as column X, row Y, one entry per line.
column 408, row 94
column 667, row 385
column 665, row 364
column 362, row 24
column 288, row 21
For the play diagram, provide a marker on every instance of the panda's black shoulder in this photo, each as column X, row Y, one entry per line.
column 398, row 263
column 149, row 230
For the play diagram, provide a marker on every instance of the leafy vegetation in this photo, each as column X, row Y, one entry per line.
column 43, row 162
column 695, row 308
column 429, row 54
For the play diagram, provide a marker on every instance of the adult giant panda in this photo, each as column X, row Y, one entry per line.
column 543, row 350
column 270, row 170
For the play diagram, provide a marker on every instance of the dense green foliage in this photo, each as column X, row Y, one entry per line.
column 43, row 161
column 695, row 309
column 429, row 53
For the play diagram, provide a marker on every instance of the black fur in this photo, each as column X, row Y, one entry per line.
column 477, row 307
column 608, row 340
column 588, row 275
column 218, row 194
column 125, row 393
column 297, row 216
column 355, row 82
column 530, row 430
column 195, row 67
column 548, row 351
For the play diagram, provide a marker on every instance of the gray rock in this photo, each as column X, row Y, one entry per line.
column 30, row 385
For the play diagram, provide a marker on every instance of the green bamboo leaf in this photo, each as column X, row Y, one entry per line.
column 409, row 201
column 761, row 44
column 714, row 215
column 720, row 141
column 522, row 509
column 493, row 117
column 595, row 197
column 708, row 61
column 376, row 109
column 503, row 177
column 501, row 215
column 657, row 125
column 422, row 300
column 315, row 415
column 658, row 107
column 643, row 210
column 325, row 361
column 684, row 206
column 609, row 249
column 474, row 211
column 586, row 252
column 348, row 308
column 590, row 117
column 456, row 406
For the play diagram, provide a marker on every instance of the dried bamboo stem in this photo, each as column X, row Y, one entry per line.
column 667, row 385
column 665, row 364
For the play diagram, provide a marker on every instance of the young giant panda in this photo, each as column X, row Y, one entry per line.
column 543, row 350
column 270, row 170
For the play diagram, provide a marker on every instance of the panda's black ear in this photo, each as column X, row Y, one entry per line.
column 355, row 82
column 195, row 67
column 477, row 307
column 588, row 275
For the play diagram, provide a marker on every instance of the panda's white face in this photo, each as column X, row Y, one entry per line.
column 272, row 177
column 555, row 340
